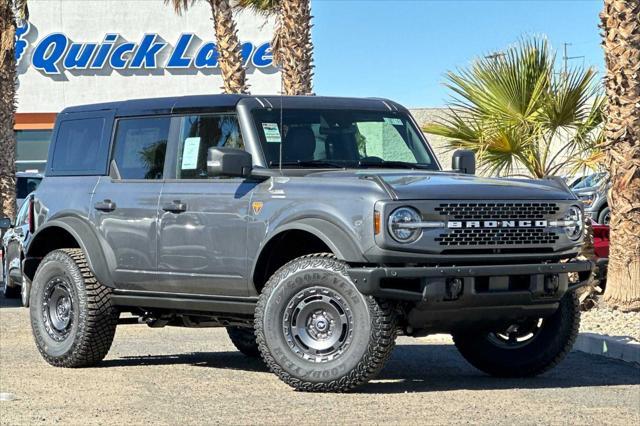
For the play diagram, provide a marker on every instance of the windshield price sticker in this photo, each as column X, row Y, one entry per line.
column 271, row 132
column 190, row 153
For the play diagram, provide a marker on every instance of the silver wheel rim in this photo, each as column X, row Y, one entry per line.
column 517, row 335
column 318, row 324
column 57, row 309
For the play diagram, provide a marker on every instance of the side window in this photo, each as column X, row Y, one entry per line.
column 140, row 147
column 21, row 219
column 78, row 145
column 198, row 133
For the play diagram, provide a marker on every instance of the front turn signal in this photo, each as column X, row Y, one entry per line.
column 376, row 223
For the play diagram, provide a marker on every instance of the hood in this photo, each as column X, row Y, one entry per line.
column 427, row 185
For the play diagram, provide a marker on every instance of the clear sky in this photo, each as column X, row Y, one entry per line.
column 401, row 49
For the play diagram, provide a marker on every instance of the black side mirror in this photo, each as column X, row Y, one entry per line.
column 230, row 162
column 5, row 223
column 464, row 161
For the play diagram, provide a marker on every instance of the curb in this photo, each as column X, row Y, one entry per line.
column 620, row 348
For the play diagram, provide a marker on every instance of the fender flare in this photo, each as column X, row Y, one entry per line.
column 86, row 238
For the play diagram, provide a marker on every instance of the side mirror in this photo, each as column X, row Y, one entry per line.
column 230, row 162
column 5, row 223
column 464, row 161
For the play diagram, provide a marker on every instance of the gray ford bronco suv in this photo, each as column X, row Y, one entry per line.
column 314, row 229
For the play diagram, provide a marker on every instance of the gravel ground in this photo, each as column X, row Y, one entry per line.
column 611, row 322
column 188, row 376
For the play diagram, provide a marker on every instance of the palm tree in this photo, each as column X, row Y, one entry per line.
column 227, row 42
column 9, row 9
column 291, row 45
column 621, row 25
column 517, row 113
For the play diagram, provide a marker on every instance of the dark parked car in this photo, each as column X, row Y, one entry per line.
column 592, row 190
column 313, row 228
column 13, row 241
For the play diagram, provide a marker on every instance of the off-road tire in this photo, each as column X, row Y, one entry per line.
column 543, row 352
column 374, row 327
column 244, row 339
column 9, row 289
column 602, row 217
column 93, row 317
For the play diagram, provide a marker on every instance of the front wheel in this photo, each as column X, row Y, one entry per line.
column 525, row 348
column 317, row 332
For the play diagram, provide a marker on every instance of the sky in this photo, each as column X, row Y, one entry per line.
column 401, row 49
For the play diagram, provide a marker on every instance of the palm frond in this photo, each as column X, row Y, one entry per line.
column 180, row 6
column 261, row 7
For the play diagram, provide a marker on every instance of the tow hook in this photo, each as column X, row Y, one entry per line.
column 453, row 288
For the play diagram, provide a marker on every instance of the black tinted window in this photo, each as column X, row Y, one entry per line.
column 26, row 185
column 78, row 146
column 140, row 147
column 198, row 133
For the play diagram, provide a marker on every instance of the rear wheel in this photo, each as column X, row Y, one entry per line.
column 605, row 216
column 72, row 318
column 317, row 332
column 244, row 339
column 525, row 348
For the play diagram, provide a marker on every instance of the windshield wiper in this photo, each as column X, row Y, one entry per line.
column 309, row 163
column 393, row 164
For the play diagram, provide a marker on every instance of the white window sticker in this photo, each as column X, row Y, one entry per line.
column 190, row 153
column 271, row 132
column 393, row 121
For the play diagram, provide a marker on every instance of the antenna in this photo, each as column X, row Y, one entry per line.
column 281, row 123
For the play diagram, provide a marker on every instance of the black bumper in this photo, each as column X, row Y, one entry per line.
column 448, row 298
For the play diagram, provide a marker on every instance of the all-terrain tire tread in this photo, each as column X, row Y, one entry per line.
column 382, row 339
column 101, row 318
column 244, row 339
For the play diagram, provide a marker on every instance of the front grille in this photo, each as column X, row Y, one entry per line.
column 481, row 211
column 494, row 237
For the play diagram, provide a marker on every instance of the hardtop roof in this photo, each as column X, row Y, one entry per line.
column 203, row 103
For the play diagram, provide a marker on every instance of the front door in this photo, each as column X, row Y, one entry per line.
column 203, row 221
column 125, row 204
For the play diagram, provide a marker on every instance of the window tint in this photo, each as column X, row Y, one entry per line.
column 140, row 147
column 26, row 185
column 78, row 146
column 198, row 133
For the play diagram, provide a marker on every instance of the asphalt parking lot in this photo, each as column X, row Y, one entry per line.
column 190, row 376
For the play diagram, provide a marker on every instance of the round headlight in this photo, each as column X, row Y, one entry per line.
column 400, row 224
column 574, row 222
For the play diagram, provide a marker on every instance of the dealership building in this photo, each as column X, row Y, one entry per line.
column 73, row 52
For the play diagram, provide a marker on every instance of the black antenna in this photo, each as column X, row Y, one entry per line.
column 281, row 122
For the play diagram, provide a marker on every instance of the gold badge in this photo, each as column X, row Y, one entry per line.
column 257, row 207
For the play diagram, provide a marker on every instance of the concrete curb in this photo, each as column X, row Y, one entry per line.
column 618, row 347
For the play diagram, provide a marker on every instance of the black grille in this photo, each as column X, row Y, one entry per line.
column 494, row 237
column 480, row 211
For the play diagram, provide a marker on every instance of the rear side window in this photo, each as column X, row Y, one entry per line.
column 140, row 147
column 78, row 148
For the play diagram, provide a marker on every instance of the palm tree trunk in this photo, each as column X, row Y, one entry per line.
column 293, row 48
column 7, row 110
column 621, row 25
column 229, row 48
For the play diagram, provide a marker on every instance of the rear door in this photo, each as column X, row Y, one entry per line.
column 125, row 204
column 203, row 221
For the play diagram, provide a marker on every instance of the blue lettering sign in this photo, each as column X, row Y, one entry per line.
column 207, row 56
column 146, row 53
column 55, row 53
column 48, row 52
column 177, row 59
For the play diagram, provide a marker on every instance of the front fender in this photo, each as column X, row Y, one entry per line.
column 84, row 235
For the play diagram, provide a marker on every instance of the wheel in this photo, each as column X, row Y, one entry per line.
column 526, row 348
column 10, row 290
column 244, row 339
column 605, row 216
column 317, row 332
column 72, row 318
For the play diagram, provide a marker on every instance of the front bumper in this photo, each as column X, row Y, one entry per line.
column 457, row 297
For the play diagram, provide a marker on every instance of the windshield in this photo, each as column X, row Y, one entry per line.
column 589, row 181
column 340, row 138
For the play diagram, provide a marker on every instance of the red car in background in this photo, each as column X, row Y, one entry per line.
column 601, row 250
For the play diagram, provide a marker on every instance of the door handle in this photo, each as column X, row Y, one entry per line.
column 105, row 206
column 176, row 206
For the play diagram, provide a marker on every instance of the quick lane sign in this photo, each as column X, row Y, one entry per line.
column 56, row 53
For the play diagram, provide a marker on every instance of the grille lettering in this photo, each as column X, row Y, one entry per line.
column 457, row 224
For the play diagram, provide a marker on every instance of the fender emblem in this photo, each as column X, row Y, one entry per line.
column 257, row 207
